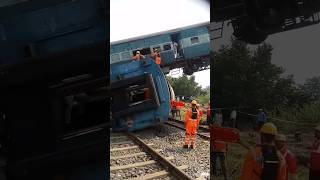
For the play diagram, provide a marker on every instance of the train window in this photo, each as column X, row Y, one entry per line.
column 145, row 51
column 125, row 55
column 194, row 40
column 115, row 57
column 167, row 47
column 157, row 47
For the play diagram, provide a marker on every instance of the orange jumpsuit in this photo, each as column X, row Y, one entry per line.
column 158, row 60
column 252, row 167
column 191, row 127
column 156, row 57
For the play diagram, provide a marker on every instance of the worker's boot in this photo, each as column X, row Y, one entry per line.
column 192, row 146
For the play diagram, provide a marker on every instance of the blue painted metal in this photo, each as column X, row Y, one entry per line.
column 129, row 69
column 194, row 51
column 52, row 29
column 180, row 36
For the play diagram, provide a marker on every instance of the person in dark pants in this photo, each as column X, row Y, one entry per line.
column 314, row 172
column 218, row 150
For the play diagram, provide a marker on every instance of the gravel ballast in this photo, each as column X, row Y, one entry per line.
column 171, row 143
column 197, row 160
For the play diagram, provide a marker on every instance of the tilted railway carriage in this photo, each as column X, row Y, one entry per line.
column 140, row 95
column 187, row 48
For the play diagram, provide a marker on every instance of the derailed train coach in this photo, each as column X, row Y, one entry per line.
column 53, row 87
column 186, row 47
column 140, row 95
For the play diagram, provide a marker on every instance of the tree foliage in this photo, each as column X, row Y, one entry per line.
column 247, row 78
column 311, row 89
column 185, row 86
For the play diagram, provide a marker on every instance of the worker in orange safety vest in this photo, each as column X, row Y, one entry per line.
column 191, row 124
column 291, row 162
column 264, row 161
column 156, row 56
column 314, row 172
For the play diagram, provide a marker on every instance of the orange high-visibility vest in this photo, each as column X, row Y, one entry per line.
column 158, row 60
column 191, row 124
column 252, row 167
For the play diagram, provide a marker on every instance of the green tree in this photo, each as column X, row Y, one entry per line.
column 185, row 86
column 311, row 88
column 247, row 78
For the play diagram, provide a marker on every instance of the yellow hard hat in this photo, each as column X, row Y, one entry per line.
column 194, row 102
column 280, row 137
column 269, row 128
column 317, row 128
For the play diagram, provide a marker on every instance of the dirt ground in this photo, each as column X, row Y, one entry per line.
column 237, row 152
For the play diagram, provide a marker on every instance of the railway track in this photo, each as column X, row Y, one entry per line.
column 128, row 145
column 203, row 131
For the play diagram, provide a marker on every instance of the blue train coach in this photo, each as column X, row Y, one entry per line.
column 187, row 48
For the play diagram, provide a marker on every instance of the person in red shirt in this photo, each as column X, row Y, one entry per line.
column 173, row 105
column 218, row 149
column 314, row 172
column 291, row 162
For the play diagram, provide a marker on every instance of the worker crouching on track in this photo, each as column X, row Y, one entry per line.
column 264, row 162
column 191, row 124
column 314, row 172
column 218, row 150
column 291, row 162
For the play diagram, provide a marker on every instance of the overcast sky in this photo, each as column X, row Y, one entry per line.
column 130, row 18
column 297, row 51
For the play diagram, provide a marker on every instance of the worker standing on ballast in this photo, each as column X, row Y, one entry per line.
column 191, row 124
column 314, row 172
column 264, row 162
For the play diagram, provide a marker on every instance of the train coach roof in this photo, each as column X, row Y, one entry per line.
column 160, row 33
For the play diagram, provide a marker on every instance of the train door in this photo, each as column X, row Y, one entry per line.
column 175, row 41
